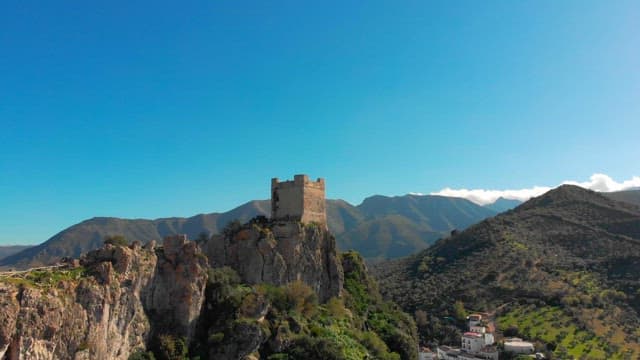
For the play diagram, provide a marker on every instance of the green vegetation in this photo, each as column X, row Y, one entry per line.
column 551, row 325
column 169, row 347
column 116, row 240
column 571, row 252
column 44, row 278
column 288, row 322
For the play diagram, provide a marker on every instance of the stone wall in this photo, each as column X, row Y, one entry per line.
column 301, row 200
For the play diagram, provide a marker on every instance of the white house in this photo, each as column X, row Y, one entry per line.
column 472, row 342
column 474, row 320
column 518, row 346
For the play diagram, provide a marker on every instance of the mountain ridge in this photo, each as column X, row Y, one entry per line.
column 423, row 219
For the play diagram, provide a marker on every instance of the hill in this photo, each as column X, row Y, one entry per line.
column 561, row 269
column 11, row 249
column 381, row 227
column 628, row 196
column 398, row 226
column 89, row 234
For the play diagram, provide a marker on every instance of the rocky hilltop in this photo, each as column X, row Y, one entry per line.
column 258, row 289
column 278, row 254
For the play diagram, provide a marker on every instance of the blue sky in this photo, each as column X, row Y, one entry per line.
column 152, row 109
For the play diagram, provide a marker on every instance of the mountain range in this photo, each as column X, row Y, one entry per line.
column 560, row 269
column 12, row 249
column 380, row 227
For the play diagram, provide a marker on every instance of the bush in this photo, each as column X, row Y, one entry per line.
column 377, row 347
column 216, row 338
column 309, row 348
column 301, row 298
column 142, row 355
column 116, row 240
column 172, row 348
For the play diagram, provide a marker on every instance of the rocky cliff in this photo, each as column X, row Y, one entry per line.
column 279, row 253
column 120, row 299
column 105, row 308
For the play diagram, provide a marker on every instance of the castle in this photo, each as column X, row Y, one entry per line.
column 301, row 199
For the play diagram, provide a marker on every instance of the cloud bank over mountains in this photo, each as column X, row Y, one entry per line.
column 597, row 182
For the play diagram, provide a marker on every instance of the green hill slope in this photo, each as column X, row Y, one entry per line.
column 570, row 252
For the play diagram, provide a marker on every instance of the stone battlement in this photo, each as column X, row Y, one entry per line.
column 298, row 180
column 299, row 199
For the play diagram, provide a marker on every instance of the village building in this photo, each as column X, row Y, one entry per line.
column 476, row 344
column 474, row 320
column 518, row 346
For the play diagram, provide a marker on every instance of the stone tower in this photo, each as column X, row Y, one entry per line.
column 301, row 200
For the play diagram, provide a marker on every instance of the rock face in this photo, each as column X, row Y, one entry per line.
column 278, row 253
column 117, row 299
column 175, row 300
column 109, row 314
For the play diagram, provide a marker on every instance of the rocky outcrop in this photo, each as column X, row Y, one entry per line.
column 118, row 299
column 178, row 292
column 279, row 253
column 105, row 309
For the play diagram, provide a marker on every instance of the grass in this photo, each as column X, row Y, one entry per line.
column 44, row 278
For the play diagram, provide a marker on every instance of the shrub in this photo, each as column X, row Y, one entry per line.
column 172, row 348
column 142, row 355
column 116, row 240
column 309, row 348
column 216, row 338
column 301, row 298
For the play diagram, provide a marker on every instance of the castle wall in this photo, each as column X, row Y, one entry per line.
column 314, row 205
column 287, row 202
column 300, row 199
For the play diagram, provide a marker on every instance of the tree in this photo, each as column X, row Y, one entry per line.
column 459, row 312
column 421, row 318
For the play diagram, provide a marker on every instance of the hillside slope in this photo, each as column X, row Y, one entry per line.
column 381, row 227
column 9, row 250
column 570, row 252
column 392, row 227
column 628, row 196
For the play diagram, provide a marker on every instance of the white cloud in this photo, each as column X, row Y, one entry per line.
column 597, row 182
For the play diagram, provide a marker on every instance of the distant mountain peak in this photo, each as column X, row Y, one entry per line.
column 564, row 194
column 503, row 204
